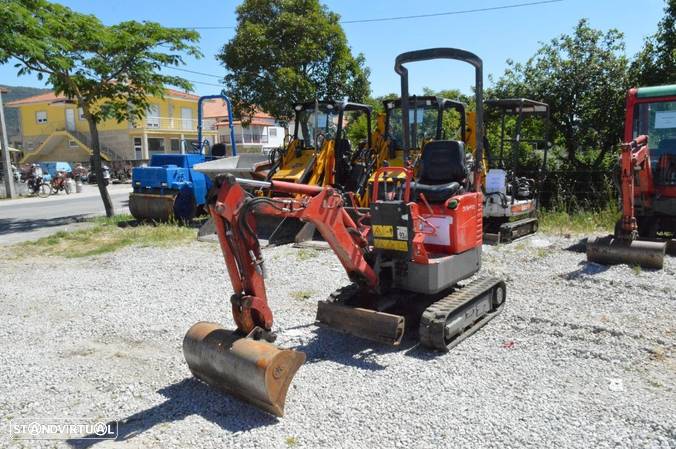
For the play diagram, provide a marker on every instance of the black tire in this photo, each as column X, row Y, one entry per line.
column 44, row 190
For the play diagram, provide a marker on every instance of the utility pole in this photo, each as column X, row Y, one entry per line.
column 6, row 161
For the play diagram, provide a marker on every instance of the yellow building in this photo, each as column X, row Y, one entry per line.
column 53, row 129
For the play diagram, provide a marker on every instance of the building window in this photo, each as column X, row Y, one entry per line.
column 155, row 145
column 175, row 145
column 72, row 144
column 272, row 132
column 80, row 113
column 138, row 147
column 153, row 116
column 41, row 117
column 186, row 119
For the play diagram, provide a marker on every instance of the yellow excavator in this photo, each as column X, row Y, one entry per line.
column 311, row 154
column 319, row 153
column 427, row 122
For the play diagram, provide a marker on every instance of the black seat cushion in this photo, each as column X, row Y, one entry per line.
column 435, row 193
column 442, row 171
column 442, row 162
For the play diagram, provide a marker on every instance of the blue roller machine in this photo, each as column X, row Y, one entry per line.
column 170, row 188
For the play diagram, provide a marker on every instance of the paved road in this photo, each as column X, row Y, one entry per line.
column 32, row 218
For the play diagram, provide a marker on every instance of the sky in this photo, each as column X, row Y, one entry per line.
column 495, row 36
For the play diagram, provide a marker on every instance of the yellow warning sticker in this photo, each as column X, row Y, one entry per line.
column 394, row 245
column 383, row 231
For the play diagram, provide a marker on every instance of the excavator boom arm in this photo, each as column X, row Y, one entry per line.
column 235, row 225
column 634, row 161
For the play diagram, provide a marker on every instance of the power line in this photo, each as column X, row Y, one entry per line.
column 206, row 84
column 193, row 71
column 453, row 13
column 417, row 16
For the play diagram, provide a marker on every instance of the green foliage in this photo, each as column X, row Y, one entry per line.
column 583, row 77
column 450, row 123
column 582, row 222
column 656, row 62
column 301, row 295
column 287, row 51
column 104, row 236
column 306, row 254
column 108, row 70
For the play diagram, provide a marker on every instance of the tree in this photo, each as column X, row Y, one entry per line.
column 287, row 51
column 656, row 63
column 108, row 71
column 583, row 78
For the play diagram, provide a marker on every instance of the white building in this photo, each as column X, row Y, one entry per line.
column 262, row 132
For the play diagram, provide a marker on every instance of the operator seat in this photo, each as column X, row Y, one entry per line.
column 442, row 173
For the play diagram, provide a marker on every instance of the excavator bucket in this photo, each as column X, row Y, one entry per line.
column 612, row 251
column 253, row 370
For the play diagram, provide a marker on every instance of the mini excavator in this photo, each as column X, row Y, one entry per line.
column 512, row 194
column 647, row 183
column 405, row 258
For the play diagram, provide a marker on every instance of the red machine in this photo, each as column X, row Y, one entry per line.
column 404, row 257
column 647, row 181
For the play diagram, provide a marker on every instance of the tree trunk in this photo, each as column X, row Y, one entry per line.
column 98, row 169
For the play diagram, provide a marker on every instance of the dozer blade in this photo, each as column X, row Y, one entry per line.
column 148, row 206
column 611, row 251
column 364, row 323
column 253, row 370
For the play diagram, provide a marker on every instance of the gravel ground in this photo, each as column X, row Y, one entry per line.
column 582, row 356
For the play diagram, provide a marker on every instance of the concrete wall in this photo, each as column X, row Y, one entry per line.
column 118, row 141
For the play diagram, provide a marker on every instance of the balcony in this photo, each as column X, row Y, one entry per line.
column 173, row 124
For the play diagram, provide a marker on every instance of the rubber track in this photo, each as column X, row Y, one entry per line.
column 434, row 318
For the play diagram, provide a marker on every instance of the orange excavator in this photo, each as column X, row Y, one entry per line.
column 647, row 183
column 405, row 256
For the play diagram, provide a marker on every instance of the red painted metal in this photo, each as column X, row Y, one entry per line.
column 636, row 171
column 451, row 227
column 242, row 252
column 386, row 173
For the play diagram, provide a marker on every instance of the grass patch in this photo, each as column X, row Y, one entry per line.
column 542, row 252
column 306, row 254
column 301, row 295
column 291, row 441
column 556, row 221
column 104, row 236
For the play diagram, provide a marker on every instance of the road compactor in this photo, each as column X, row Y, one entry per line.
column 170, row 188
column 405, row 257
column 647, row 183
